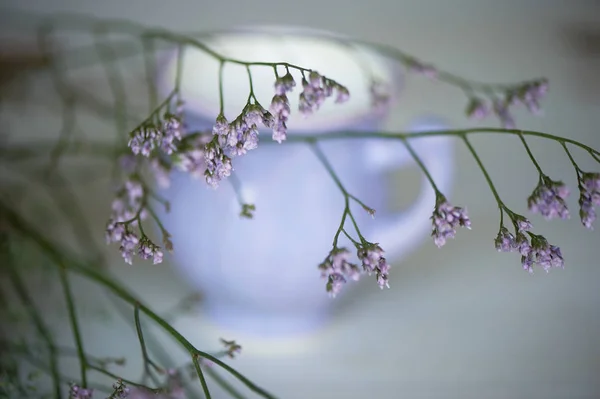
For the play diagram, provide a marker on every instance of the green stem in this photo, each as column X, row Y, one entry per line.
column 321, row 156
column 485, row 173
column 341, row 226
column 150, row 67
column 78, row 22
column 100, row 149
column 421, row 164
column 179, row 74
column 432, row 133
column 250, row 82
column 595, row 156
column 83, row 363
column 537, row 166
column 327, row 165
column 43, row 330
column 91, row 272
column 66, row 379
column 362, row 239
column 196, row 359
column 223, row 383
column 156, row 110
column 577, row 169
column 236, row 184
column 221, row 95
column 116, row 377
column 140, row 334
column 156, row 219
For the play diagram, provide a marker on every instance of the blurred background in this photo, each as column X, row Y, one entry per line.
column 460, row 322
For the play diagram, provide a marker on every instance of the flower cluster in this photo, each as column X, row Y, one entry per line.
column 445, row 219
column 548, row 199
column 128, row 212
column 589, row 197
column 218, row 165
column 528, row 94
column 421, row 68
column 231, row 348
column 190, row 157
column 78, row 392
column 236, row 138
column 121, row 391
column 316, row 90
column 373, row 261
column 535, row 251
column 539, row 252
column 163, row 134
column 337, row 268
column 380, row 96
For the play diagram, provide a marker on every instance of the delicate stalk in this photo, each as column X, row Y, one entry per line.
column 594, row 155
column 101, row 149
column 140, row 334
column 251, row 95
column 327, row 165
column 537, row 166
column 156, row 219
column 485, row 173
column 90, row 271
column 221, row 95
column 196, row 359
column 321, row 156
column 420, row 163
column 341, row 226
column 116, row 377
column 577, row 169
column 150, row 67
column 432, row 133
column 236, row 185
column 223, row 383
column 83, row 364
column 179, row 73
column 43, row 330
column 66, row 379
column 157, row 109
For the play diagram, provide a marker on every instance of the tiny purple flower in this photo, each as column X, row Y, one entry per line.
column 589, row 197
column 548, row 199
column 445, row 219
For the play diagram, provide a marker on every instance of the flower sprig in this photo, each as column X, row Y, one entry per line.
column 236, row 138
column 336, row 268
column 125, row 227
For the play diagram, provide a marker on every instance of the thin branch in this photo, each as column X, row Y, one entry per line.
column 83, row 363
column 90, row 270
column 40, row 325
column 196, row 359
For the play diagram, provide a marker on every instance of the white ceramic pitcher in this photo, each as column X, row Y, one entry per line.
column 260, row 275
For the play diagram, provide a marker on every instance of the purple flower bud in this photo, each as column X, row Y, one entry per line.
column 548, row 199
column 589, row 197
column 445, row 219
column 505, row 241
